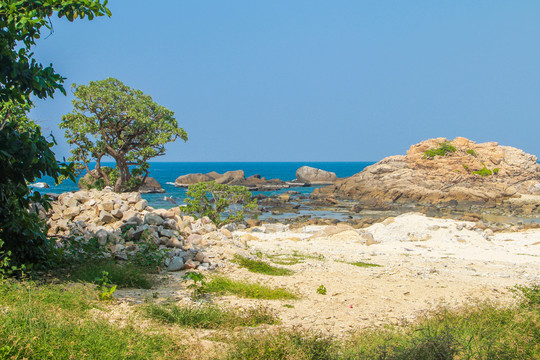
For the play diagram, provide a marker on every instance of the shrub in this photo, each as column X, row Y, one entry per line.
column 483, row 172
column 220, row 202
column 443, row 149
column 471, row 152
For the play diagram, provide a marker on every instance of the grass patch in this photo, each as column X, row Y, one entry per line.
column 363, row 264
column 53, row 322
column 223, row 285
column 210, row 316
column 292, row 259
column 261, row 267
column 126, row 275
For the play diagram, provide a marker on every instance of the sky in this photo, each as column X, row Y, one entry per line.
column 311, row 80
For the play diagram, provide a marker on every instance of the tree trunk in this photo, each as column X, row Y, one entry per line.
column 124, row 174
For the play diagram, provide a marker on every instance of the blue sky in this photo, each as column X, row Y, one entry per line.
column 312, row 80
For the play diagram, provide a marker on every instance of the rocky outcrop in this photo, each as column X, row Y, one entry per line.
column 237, row 177
column 441, row 171
column 311, row 175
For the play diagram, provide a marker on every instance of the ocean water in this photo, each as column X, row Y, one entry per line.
column 166, row 172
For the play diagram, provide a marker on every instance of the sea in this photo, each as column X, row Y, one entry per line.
column 167, row 172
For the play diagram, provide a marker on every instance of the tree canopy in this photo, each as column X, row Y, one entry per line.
column 112, row 119
column 24, row 153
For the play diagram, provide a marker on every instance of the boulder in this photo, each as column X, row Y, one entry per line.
column 190, row 179
column 150, row 185
column 311, row 175
column 231, row 177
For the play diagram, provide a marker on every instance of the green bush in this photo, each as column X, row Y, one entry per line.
column 483, row 172
column 220, row 202
column 443, row 149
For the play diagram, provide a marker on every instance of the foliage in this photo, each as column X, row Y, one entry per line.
column 220, row 202
column 223, row 285
column 443, row 149
column 321, row 290
column 471, row 152
column 25, row 154
column 483, row 172
column 198, row 282
column 210, row 316
column 528, row 295
column 261, row 267
column 148, row 256
column 112, row 119
column 104, row 287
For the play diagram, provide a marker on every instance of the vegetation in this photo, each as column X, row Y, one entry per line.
column 363, row 264
column 222, row 203
column 290, row 259
column 127, row 275
column 25, row 154
column 261, row 267
column 321, row 290
column 443, row 149
column 471, row 152
column 112, row 119
column 210, row 316
column 223, row 285
column 483, row 172
column 55, row 322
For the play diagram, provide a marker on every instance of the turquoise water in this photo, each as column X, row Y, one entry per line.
column 166, row 172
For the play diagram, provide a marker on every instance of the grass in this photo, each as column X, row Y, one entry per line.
column 57, row 322
column 126, row 275
column 54, row 322
column 443, row 149
column 292, row 259
column 210, row 316
column 363, row 264
column 223, row 285
column 261, row 267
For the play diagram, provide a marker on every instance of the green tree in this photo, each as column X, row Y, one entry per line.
column 25, row 154
column 112, row 119
column 220, row 202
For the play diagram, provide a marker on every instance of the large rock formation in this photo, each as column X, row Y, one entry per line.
column 237, row 177
column 440, row 171
column 311, row 175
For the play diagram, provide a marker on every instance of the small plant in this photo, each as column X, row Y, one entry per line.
column 148, row 255
column 495, row 171
column 321, row 290
column 104, row 287
column 466, row 167
column 471, row 152
column 261, row 267
column 483, row 172
column 222, row 203
column 443, row 149
column 198, row 283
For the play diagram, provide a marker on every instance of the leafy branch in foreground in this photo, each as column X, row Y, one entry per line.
column 222, row 203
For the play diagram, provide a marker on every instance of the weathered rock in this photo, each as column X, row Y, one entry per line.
column 311, row 175
column 153, row 219
column 231, row 177
column 141, row 205
column 176, row 264
column 190, row 179
column 105, row 217
column 150, row 185
column 457, row 176
column 102, row 236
